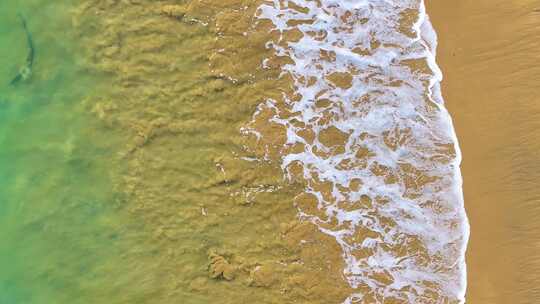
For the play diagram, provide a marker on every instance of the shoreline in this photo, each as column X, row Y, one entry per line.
column 487, row 57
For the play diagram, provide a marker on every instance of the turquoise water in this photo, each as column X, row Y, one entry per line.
column 64, row 237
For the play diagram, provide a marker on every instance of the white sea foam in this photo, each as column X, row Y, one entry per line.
column 405, row 231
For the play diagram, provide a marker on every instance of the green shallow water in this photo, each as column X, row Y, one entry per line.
column 64, row 237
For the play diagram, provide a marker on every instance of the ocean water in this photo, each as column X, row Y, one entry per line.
column 240, row 151
column 62, row 233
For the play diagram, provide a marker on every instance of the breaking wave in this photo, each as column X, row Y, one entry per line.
column 368, row 133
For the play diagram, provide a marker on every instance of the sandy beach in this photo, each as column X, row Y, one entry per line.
column 489, row 54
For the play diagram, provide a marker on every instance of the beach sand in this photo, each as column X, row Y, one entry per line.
column 488, row 52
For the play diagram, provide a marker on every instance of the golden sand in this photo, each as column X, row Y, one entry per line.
column 488, row 51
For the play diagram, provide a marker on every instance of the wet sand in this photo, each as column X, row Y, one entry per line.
column 488, row 51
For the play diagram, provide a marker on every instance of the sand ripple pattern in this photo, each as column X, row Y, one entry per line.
column 368, row 132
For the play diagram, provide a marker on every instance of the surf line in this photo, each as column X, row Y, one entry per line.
column 390, row 191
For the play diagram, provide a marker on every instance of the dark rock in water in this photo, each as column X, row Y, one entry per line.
column 25, row 71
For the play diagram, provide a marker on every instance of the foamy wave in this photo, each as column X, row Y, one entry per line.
column 382, row 166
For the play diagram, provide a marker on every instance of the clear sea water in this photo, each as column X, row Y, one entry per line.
column 61, row 228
